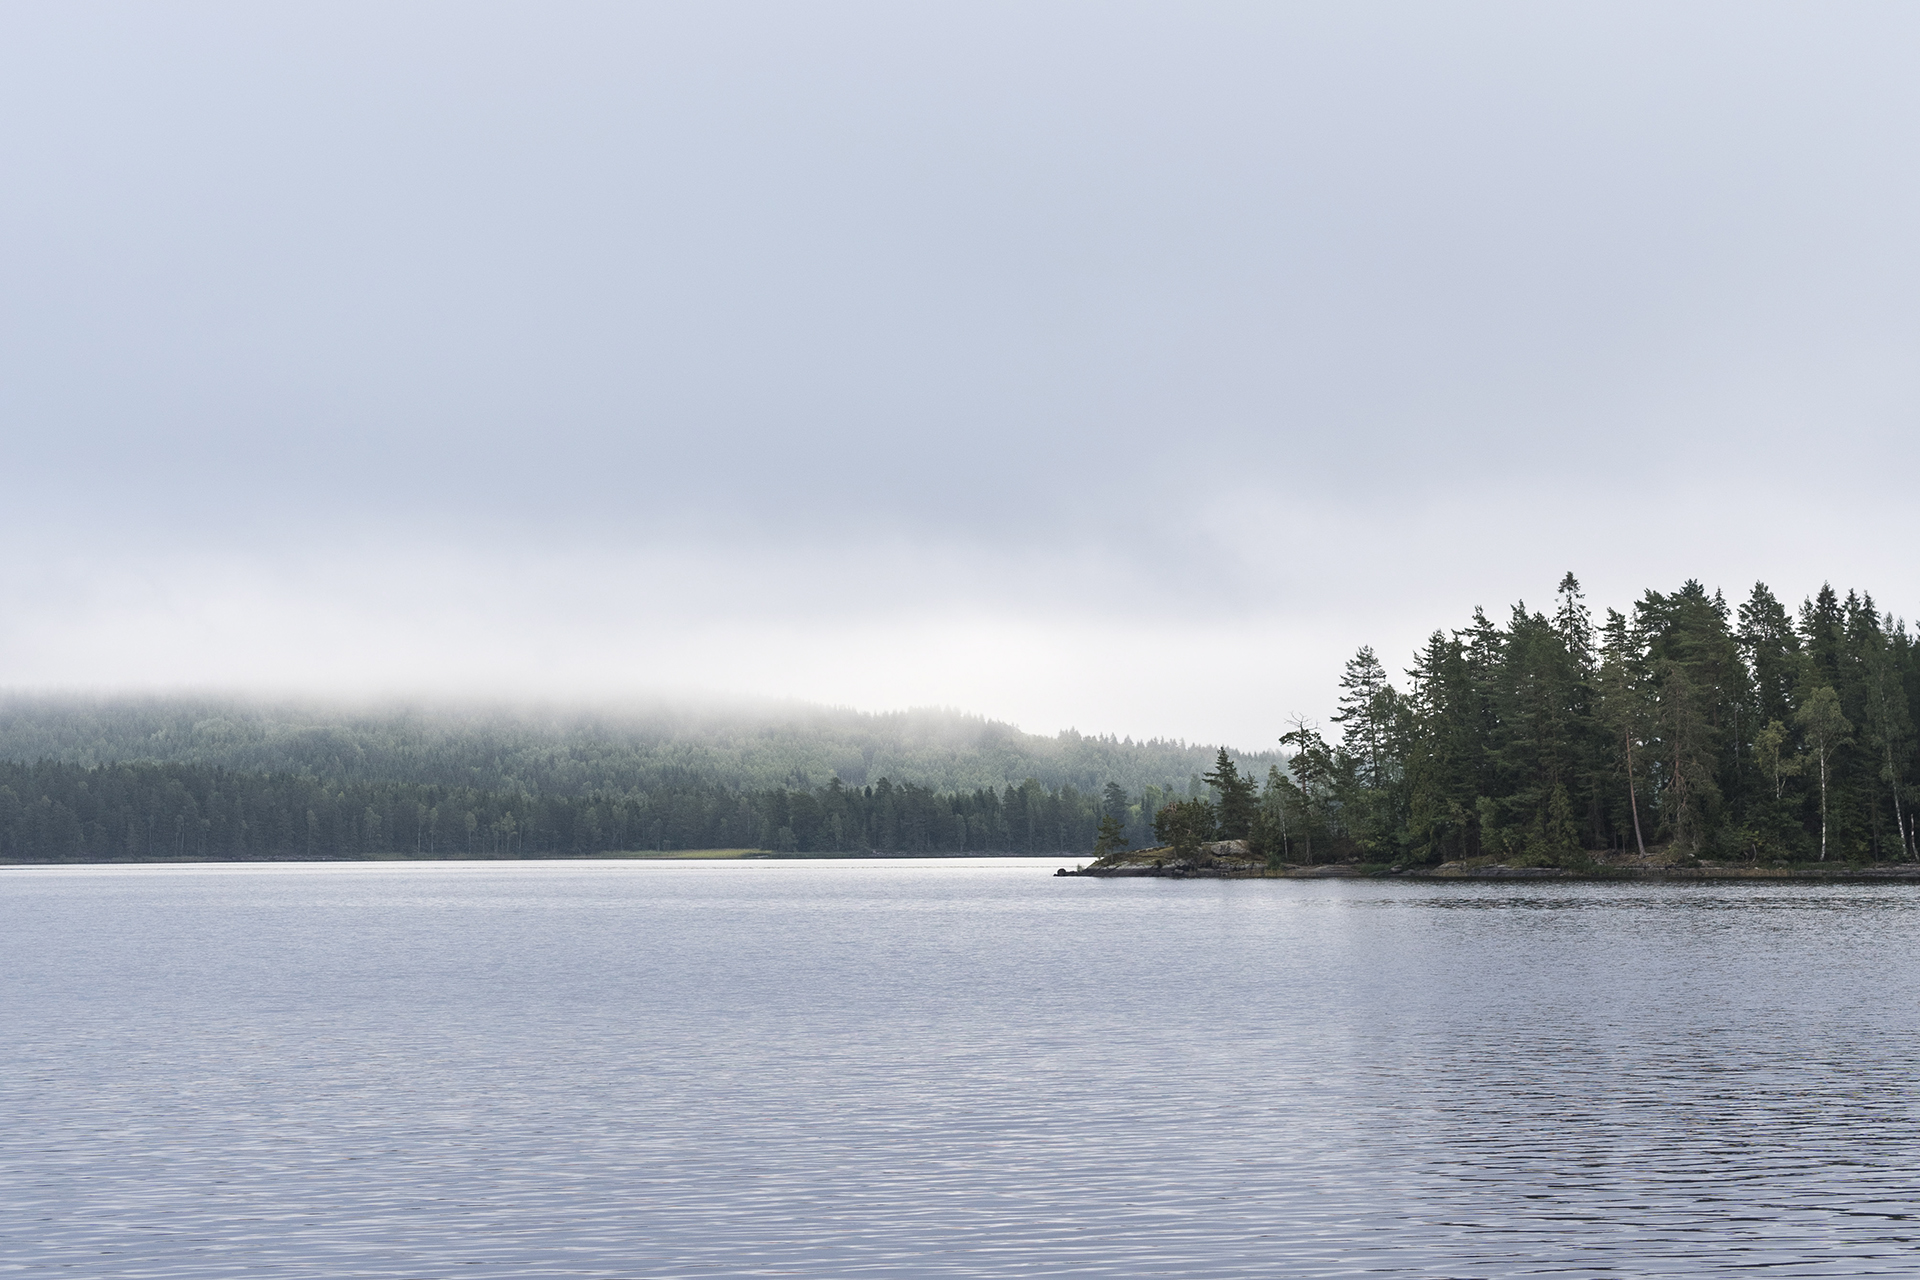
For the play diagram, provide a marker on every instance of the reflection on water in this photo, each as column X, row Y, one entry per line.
column 947, row 1068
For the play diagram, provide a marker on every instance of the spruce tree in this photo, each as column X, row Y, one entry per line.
column 1887, row 724
column 1184, row 826
column 1623, row 709
column 1365, row 715
column 1574, row 624
column 1772, row 653
column 1111, row 839
column 1236, row 797
column 1269, row 832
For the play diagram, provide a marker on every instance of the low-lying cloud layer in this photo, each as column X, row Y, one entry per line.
column 1116, row 367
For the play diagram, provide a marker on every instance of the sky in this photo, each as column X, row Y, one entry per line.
column 1110, row 366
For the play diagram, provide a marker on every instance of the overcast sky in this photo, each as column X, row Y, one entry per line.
column 1111, row 366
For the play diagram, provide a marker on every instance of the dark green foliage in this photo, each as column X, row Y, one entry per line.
column 1235, row 802
column 53, row 812
column 1827, row 731
column 1269, row 835
column 1770, row 736
column 403, row 783
column 1111, row 837
column 1185, row 825
column 1366, row 715
column 66, row 812
column 1541, row 742
column 1311, row 806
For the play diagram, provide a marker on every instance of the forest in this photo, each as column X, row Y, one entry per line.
column 58, row 812
column 85, row 779
column 1685, row 724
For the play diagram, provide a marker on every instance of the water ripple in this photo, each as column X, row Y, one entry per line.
column 947, row 1069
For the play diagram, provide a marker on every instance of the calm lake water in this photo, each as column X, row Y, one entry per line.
column 942, row 1067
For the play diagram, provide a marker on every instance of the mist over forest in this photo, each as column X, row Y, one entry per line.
column 184, row 777
column 574, row 750
column 1755, row 731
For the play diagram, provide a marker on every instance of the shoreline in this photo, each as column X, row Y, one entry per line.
column 671, row 855
column 1235, row 860
column 1881, row 873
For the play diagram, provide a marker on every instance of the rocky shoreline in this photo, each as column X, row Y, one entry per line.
column 1232, row 860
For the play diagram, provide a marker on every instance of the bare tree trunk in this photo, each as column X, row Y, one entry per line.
column 1823, row 804
column 1632, row 802
column 1900, row 819
column 1899, row 811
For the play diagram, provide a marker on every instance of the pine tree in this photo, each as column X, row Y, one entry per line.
column 1772, row 653
column 1697, row 678
column 1574, row 624
column 1823, row 626
column 1886, row 721
column 1269, row 833
column 1444, row 746
column 1623, row 709
column 1184, row 826
column 1112, row 837
column 1365, row 715
column 1236, row 798
column 1315, row 770
column 1540, row 742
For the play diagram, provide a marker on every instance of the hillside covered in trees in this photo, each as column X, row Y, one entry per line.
column 1710, row 730
column 1730, row 732
column 72, row 813
column 617, row 748
column 85, row 779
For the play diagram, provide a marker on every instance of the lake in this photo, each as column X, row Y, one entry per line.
column 947, row 1068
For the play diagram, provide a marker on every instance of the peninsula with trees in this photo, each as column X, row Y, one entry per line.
column 1684, row 738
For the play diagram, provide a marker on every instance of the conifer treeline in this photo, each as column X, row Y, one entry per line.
column 1721, row 732
column 1718, row 732
column 55, row 812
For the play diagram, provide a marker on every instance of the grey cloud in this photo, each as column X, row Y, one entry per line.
column 1208, row 307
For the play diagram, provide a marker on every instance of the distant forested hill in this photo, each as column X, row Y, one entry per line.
column 1687, row 724
column 124, row 778
column 618, row 750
